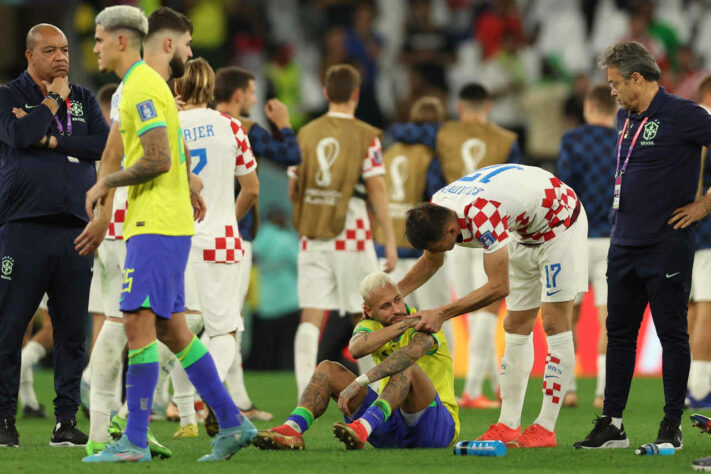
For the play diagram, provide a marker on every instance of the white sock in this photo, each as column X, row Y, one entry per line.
column 573, row 382
column 366, row 425
column 118, row 390
column 293, row 425
column 31, row 354
column 560, row 367
column 105, row 369
column 123, row 411
column 305, row 353
column 194, row 322
column 482, row 326
column 184, row 395
column 616, row 422
column 235, row 378
column 516, row 367
column 699, row 379
column 494, row 368
column 166, row 362
column 222, row 350
column 601, row 371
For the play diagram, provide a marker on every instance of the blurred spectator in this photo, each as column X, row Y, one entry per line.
column 574, row 103
column 209, row 19
column 248, row 29
column 284, row 81
column 638, row 30
column 660, row 30
column 427, row 46
column 419, row 87
column 499, row 18
column 275, row 322
column 685, row 81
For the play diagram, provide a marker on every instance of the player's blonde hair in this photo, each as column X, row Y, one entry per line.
column 197, row 85
column 373, row 282
column 123, row 17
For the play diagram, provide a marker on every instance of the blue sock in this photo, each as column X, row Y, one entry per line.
column 377, row 413
column 302, row 417
column 141, row 380
column 200, row 367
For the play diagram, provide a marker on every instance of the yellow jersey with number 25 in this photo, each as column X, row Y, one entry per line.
column 161, row 205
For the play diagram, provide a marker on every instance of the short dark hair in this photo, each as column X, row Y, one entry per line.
column 474, row 93
column 426, row 223
column 704, row 87
column 166, row 18
column 228, row 79
column 601, row 97
column 341, row 81
column 630, row 57
column 105, row 93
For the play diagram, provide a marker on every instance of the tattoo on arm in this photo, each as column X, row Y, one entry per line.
column 154, row 162
column 403, row 358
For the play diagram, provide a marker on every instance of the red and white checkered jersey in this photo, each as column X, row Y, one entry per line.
column 118, row 216
column 495, row 203
column 356, row 235
column 219, row 151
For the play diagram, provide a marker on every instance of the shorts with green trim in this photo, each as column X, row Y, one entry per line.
column 433, row 429
column 154, row 274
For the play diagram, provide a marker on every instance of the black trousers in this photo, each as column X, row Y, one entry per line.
column 38, row 257
column 661, row 276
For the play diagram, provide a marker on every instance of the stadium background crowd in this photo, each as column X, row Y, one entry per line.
column 536, row 57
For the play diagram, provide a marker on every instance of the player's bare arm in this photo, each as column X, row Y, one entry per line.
column 378, row 195
column 93, row 234
column 248, row 193
column 496, row 265
column 398, row 361
column 154, row 162
column 364, row 343
column 425, row 267
column 195, row 185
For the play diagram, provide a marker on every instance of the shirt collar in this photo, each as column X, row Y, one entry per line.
column 339, row 115
column 29, row 83
column 654, row 106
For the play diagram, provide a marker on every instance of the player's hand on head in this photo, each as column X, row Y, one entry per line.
column 430, row 320
column 277, row 112
column 685, row 216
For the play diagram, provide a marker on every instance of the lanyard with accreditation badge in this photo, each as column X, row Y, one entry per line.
column 69, row 119
column 620, row 171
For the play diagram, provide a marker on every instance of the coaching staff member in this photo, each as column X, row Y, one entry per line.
column 651, row 246
column 51, row 133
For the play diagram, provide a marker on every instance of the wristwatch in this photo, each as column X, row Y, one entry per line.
column 55, row 97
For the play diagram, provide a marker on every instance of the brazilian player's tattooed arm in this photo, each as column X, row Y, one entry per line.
column 154, row 162
column 404, row 357
column 363, row 343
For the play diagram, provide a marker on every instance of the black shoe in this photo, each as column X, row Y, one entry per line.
column 604, row 435
column 9, row 437
column 212, row 427
column 702, row 464
column 670, row 432
column 39, row 412
column 66, row 434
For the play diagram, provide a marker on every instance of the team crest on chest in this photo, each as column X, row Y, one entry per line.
column 650, row 130
column 6, row 267
column 77, row 108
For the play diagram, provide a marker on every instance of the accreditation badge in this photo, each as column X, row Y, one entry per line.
column 616, row 195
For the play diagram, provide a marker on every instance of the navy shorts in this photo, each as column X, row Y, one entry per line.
column 434, row 429
column 154, row 274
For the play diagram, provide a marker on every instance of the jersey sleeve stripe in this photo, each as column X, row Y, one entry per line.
column 150, row 127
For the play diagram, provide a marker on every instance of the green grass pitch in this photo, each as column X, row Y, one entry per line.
column 324, row 454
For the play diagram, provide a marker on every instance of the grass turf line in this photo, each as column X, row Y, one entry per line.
column 276, row 392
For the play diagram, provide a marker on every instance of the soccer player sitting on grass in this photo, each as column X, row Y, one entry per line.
column 415, row 407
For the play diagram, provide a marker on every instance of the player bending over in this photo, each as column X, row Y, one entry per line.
column 415, row 407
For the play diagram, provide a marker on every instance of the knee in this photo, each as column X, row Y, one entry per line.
column 552, row 326
column 328, row 367
column 517, row 326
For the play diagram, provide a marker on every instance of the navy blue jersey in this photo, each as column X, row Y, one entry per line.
column 663, row 171
column 587, row 164
column 37, row 182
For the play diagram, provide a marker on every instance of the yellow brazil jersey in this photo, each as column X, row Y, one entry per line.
column 437, row 363
column 161, row 205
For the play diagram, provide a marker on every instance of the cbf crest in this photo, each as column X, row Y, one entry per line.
column 6, row 265
column 650, row 130
column 77, row 108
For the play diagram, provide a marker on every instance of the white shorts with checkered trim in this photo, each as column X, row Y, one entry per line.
column 210, row 288
column 553, row 272
column 330, row 279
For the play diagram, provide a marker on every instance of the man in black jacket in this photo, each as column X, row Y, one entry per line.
column 51, row 134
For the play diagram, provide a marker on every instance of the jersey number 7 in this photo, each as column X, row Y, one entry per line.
column 201, row 155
